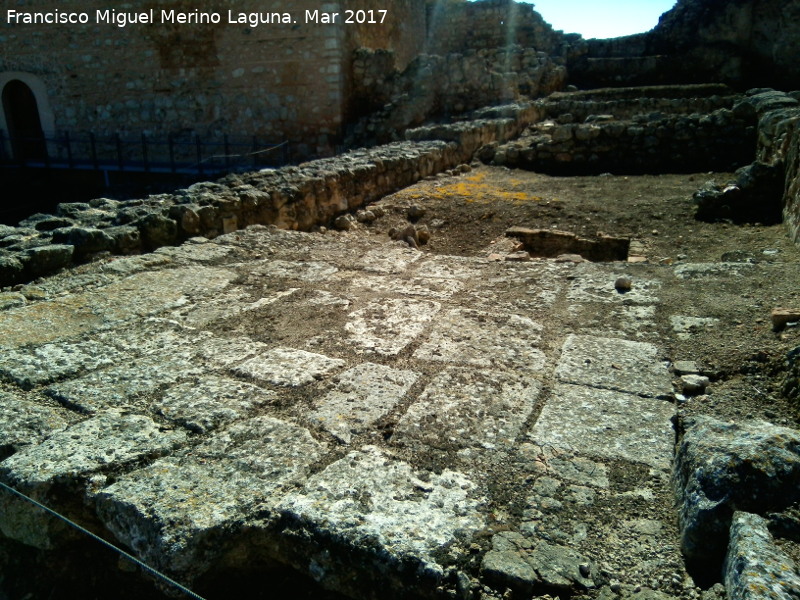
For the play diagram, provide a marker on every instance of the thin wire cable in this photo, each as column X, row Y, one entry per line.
column 105, row 543
column 242, row 155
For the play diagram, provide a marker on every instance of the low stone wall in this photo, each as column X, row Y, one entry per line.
column 778, row 117
column 297, row 197
column 656, row 142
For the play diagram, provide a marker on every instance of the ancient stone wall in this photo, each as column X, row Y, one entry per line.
column 280, row 81
column 626, row 141
column 442, row 86
column 779, row 144
column 744, row 43
column 297, row 197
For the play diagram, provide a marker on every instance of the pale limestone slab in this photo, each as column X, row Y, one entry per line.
column 229, row 352
column 306, row 271
column 449, row 267
column 439, row 289
column 392, row 259
column 713, row 270
column 211, row 403
column 485, row 340
column 364, row 394
column 371, row 495
column 387, row 326
column 125, row 386
column 593, row 284
column 288, row 367
column 47, row 363
column 608, row 424
column 23, row 423
column 465, row 407
column 615, row 364
column 685, row 326
column 193, row 502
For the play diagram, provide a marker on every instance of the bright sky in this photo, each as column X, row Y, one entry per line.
column 602, row 18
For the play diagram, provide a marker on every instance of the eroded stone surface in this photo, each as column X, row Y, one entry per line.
column 615, row 364
column 462, row 408
column 370, row 498
column 23, row 423
column 607, row 423
column 36, row 366
column 387, row 326
column 363, row 395
column 211, row 402
column 69, row 458
column 288, row 367
column 755, row 568
column 183, row 511
column 486, row 340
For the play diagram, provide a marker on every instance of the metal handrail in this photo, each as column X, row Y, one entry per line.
column 185, row 154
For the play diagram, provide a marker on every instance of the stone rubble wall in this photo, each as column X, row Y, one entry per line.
column 296, row 197
column 442, row 85
column 778, row 117
column 744, row 43
column 651, row 141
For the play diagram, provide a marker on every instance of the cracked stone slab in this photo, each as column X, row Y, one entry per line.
column 229, row 352
column 387, row 326
column 306, row 271
column 389, row 260
column 369, row 499
column 211, row 403
column 592, row 284
column 634, row 320
column 44, row 364
column 524, row 564
column 194, row 253
column 685, row 327
column 608, row 424
column 439, row 289
column 463, row 408
column 525, row 286
column 168, row 289
column 71, row 457
column 713, row 270
column 229, row 304
column 450, row 267
column 24, row 423
column 615, row 364
column 120, row 301
column 363, row 395
column 125, row 386
column 288, row 367
column 565, row 464
column 485, row 340
column 181, row 512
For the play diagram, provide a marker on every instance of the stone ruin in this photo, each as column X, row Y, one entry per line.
column 195, row 377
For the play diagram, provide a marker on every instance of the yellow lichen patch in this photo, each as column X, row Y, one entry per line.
column 475, row 189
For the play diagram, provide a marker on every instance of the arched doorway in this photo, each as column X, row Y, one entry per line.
column 24, row 124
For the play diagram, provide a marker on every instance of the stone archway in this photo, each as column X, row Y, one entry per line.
column 26, row 117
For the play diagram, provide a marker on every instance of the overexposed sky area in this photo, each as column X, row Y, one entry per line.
column 602, row 18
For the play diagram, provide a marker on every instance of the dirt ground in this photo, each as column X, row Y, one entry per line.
column 468, row 214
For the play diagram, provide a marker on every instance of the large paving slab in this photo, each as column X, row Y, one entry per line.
column 388, row 422
column 607, row 423
column 615, row 364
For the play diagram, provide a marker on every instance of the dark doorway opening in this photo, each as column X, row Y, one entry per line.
column 24, row 124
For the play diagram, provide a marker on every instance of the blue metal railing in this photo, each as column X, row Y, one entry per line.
column 179, row 154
